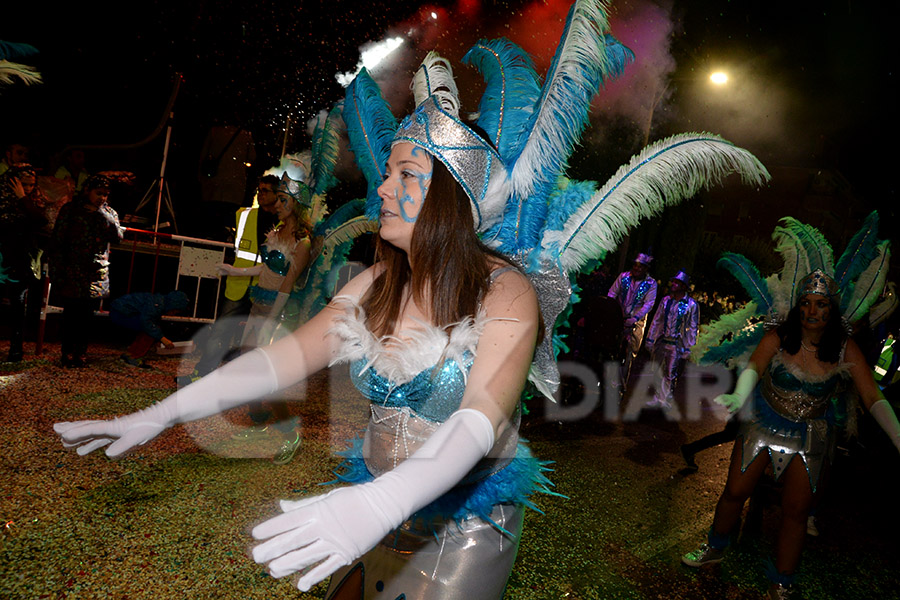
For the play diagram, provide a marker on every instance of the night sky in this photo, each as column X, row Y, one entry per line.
column 810, row 83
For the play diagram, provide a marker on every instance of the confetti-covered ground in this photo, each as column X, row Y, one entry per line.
column 172, row 519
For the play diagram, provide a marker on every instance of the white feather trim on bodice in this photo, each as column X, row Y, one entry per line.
column 400, row 358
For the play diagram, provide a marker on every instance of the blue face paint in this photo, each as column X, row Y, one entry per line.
column 421, row 178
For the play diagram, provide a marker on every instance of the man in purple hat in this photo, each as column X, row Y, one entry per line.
column 672, row 333
column 635, row 291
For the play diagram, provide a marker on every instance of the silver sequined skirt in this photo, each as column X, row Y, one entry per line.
column 470, row 561
column 809, row 440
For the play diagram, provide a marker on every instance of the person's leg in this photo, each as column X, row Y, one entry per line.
column 289, row 428
column 223, row 334
column 67, row 330
column 727, row 434
column 83, row 322
column 17, row 295
column 141, row 345
column 738, row 487
column 796, row 502
column 668, row 366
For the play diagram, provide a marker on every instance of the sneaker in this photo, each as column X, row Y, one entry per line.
column 688, row 457
column 784, row 592
column 811, row 528
column 183, row 380
column 704, row 555
column 248, row 434
column 287, row 450
column 135, row 362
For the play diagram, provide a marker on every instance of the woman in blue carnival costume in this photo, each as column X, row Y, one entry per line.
column 443, row 332
column 792, row 376
column 285, row 256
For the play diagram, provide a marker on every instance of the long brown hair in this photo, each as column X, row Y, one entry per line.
column 452, row 266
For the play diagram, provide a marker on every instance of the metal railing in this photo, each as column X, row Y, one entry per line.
column 192, row 258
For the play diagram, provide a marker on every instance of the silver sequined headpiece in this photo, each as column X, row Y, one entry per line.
column 819, row 283
column 472, row 161
column 297, row 190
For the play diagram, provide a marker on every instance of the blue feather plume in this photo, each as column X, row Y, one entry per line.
column 749, row 277
column 512, row 88
column 860, row 251
column 811, row 240
column 16, row 50
column 370, row 127
column 324, row 151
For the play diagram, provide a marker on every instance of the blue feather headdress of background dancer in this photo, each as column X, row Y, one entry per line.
column 547, row 225
column 860, row 274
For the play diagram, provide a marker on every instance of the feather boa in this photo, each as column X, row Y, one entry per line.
column 513, row 484
column 400, row 358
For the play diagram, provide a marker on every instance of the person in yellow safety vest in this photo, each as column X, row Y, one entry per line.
column 885, row 371
column 252, row 225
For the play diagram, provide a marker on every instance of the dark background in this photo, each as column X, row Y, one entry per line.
column 813, row 86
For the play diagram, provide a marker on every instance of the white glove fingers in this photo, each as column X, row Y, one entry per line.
column 80, row 431
column 320, row 572
column 135, row 436
column 284, row 543
column 300, row 559
column 91, row 446
column 282, row 523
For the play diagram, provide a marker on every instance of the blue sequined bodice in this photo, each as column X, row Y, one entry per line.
column 275, row 260
column 785, row 380
column 431, row 394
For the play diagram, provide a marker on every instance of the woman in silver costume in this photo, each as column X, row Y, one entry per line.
column 792, row 376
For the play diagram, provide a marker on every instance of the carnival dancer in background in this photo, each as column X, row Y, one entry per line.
column 785, row 393
column 635, row 290
column 672, row 333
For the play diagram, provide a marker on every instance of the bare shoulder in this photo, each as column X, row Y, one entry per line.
column 511, row 291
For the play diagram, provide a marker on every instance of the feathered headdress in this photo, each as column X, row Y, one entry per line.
column 9, row 70
column 546, row 224
column 857, row 279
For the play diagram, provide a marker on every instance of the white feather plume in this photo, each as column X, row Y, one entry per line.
column 554, row 129
column 435, row 78
column 9, row 70
column 663, row 174
column 796, row 267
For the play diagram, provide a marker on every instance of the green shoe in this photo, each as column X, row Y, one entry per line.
column 704, row 555
column 287, row 450
column 252, row 433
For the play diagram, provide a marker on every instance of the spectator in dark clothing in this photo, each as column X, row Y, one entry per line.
column 79, row 265
column 22, row 235
column 142, row 312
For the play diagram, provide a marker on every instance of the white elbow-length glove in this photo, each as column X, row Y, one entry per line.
column 232, row 271
column 742, row 390
column 886, row 418
column 339, row 527
column 246, row 378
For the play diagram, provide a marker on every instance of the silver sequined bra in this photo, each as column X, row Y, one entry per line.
column 794, row 396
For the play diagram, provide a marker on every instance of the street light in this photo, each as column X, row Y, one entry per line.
column 719, row 78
